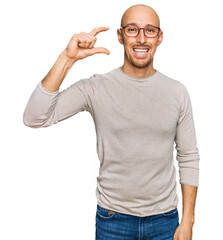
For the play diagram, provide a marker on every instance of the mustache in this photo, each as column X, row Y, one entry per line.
column 145, row 46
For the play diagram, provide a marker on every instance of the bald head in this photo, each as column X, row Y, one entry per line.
column 140, row 12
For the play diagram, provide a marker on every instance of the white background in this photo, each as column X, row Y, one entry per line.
column 48, row 176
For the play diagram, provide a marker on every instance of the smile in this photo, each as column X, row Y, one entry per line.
column 139, row 52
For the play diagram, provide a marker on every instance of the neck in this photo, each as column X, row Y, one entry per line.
column 138, row 72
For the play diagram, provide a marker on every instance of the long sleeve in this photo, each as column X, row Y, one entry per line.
column 137, row 122
column 45, row 108
column 186, row 144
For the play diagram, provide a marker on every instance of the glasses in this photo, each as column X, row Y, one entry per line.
column 132, row 30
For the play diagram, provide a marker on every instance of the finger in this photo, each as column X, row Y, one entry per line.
column 98, row 50
column 84, row 42
column 92, row 41
column 81, row 42
column 84, row 45
column 88, row 36
column 95, row 31
column 87, row 43
column 93, row 38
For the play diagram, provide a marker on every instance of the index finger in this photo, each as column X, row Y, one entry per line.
column 95, row 31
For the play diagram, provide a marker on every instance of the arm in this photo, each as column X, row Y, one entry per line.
column 47, row 105
column 58, row 72
column 189, row 194
column 79, row 47
column 188, row 160
column 185, row 229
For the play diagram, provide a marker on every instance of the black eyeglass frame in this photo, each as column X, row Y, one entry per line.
column 140, row 29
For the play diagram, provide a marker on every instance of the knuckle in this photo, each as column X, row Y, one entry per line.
column 91, row 37
column 75, row 36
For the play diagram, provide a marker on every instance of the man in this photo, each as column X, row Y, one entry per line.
column 138, row 113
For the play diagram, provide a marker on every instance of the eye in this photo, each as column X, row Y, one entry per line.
column 131, row 29
column 150, row 30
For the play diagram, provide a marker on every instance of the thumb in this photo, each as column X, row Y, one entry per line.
column 98, row 50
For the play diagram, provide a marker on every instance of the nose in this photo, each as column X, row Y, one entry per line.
column 141, row 37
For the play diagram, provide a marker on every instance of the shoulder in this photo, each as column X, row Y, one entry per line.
column 92, row 83
column 172, row 83
column 106, row 75
column 98, row 78
column 169, row 80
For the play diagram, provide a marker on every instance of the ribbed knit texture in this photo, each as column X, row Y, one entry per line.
column 137, row 122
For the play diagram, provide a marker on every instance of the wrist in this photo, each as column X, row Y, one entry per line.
column 65, row 54
column 188, row 219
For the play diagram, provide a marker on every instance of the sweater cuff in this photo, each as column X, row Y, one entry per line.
column 44, row 90
column 189, row 176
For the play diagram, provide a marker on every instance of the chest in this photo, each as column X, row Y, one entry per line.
column 136, row 110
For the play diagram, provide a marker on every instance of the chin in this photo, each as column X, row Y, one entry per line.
column 138, row 63
column 142, row 64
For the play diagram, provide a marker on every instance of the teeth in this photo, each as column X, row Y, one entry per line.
column 141, row 50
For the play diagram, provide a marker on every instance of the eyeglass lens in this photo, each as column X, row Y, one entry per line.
column 132, row 31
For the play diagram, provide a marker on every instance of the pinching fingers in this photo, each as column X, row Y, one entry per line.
column 97, row 30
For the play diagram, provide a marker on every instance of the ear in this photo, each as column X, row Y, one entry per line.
column 160, row 38
column 120, row 37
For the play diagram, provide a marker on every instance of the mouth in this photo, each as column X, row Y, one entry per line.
column 140, row 52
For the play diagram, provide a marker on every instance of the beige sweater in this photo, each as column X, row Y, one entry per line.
column 137, row 121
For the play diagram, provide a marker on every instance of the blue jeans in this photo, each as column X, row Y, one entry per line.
column 112, row 225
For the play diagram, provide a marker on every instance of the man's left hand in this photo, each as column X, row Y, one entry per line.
column 183, row 232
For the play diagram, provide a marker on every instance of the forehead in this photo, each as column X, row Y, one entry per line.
column 141, row 17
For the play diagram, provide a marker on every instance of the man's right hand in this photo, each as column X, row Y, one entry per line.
column 81, row 45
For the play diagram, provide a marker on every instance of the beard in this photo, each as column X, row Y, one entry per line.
column 136, row 64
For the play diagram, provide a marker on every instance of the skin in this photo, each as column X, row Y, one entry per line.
column 143, row 67
column 81, row 46
column 137, row 66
